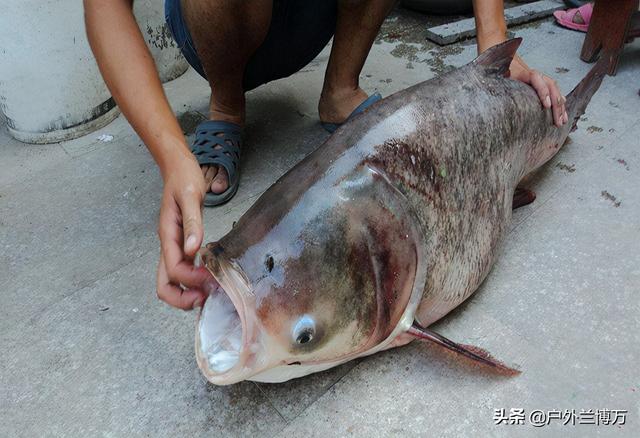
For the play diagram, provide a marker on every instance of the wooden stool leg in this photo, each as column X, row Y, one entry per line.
column 608, row 30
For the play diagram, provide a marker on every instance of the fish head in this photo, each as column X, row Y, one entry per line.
column 300, row 291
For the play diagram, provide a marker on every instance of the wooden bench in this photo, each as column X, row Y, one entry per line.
column 613, row 24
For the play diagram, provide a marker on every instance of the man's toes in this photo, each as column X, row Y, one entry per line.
column 221, row 181
column 210, row 174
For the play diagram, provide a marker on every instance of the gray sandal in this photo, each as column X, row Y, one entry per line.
column 218, row 143
column 331, row 127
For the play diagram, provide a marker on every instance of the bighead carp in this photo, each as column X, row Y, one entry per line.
column 389, row 225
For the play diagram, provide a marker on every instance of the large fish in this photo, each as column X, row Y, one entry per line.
column 389, row 225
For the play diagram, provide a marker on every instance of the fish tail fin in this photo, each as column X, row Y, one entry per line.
column 579, row 97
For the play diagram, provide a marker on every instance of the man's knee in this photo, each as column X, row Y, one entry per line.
column 228, row 20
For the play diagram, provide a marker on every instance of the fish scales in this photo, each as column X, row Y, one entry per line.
column 389, row 225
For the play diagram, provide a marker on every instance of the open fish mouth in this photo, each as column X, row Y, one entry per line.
column 220, row 332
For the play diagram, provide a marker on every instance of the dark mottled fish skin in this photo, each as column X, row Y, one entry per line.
column 415, row 193
column 477, row 135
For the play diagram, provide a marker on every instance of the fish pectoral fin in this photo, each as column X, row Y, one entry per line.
column 474, row 353
column 522, row 197
column 497, row 59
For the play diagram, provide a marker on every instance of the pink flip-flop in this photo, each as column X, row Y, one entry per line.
column 565, row 18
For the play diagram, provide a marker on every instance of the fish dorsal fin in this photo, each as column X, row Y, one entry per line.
column 474, row 353
column 497, row 59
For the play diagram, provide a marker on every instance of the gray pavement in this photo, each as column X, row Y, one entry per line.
column 88, row 350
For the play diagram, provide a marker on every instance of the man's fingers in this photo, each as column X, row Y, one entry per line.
column 191, row 209
column 546, row 88
column 557, row 100
column 170, row 233
column 187, row 299
column 541, row 87
column 550, row 96
column 185, row 274
column 178, row 270
column 175, row 296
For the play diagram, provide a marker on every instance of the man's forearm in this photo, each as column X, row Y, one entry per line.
column 490, row 23
column 130, row 73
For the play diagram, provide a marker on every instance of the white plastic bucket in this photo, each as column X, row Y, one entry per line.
column 50, row 86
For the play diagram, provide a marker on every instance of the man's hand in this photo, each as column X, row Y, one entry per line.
column 492, row 29
column 181, row 233
column 116, row 41
column 547, row 89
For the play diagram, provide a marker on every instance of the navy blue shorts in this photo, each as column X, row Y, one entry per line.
column 299, row 30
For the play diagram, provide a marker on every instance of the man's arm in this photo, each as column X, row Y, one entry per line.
column 491, row 30
column 130, row 73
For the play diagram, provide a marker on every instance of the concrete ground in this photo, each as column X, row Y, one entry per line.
column 88, row 350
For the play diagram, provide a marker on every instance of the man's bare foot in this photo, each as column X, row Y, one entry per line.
column 336, row 106
column 216, row 177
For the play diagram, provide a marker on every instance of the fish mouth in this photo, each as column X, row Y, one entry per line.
column 223, row 333
column 220, row 331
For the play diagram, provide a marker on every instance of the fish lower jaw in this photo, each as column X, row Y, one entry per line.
column 220, row 340
column 283, row 373
column 220, row 332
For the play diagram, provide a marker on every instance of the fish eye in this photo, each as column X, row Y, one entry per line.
column 304, row 337
column 269, row 263
column 304, row 330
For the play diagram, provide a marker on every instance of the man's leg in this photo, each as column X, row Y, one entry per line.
column 358, row 24
column 226, row 34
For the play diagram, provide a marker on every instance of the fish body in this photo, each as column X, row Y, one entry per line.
column 389, row 225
